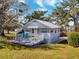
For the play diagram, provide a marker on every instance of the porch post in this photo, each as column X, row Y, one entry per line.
column 35, row 30
column 49, row 30
column 54, row 30
column 31, row 30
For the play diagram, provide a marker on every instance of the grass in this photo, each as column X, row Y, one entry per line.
column 3, row 38
column 50, row 51
column 11, row 34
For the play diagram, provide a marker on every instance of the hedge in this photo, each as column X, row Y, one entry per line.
column 73, row 39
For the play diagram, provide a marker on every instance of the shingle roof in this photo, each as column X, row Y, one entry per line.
column 45, row 23
column 51, row 25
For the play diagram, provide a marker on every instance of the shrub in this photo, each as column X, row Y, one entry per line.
column 73, row 39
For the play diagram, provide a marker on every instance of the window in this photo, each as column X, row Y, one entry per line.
column 43, row 30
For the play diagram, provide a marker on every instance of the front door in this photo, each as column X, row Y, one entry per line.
column 34, row 31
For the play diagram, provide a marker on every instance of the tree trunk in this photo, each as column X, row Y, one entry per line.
column 2, row 33
column 76, row 28
column 75, row 23
column 8, row 32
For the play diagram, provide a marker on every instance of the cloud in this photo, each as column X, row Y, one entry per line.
column 43, row 3
column 49, row 2
column 62, row 0
column 39, row 2
column 21, row 0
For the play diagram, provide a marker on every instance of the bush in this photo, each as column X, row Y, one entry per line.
column 73, row 39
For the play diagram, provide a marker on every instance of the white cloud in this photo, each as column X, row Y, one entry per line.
column 50, row 2
column 62, row 0
column 22, row 1
column 40, row 3
column 43, row 3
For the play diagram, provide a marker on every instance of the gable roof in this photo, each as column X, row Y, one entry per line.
column 45, row 23
column 51, row 25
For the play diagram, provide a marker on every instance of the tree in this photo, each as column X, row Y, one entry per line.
column 66, row 11
column 36, row 15
column 4, row 5
column 12, row 26
column 7, row 14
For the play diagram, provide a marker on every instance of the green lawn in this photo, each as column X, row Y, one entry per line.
column 56, row 51
column 49, row 51
column 11, row 34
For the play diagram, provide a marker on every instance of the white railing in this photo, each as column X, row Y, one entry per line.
column 36, row 38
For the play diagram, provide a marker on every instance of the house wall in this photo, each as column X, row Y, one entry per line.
column 43, row 30
column 39, row 27
column 40, row 30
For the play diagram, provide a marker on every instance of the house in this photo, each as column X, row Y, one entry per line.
column 39, row 31
column 47, row 29
column 38, row 26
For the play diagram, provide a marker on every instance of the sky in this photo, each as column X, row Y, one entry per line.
column 47, row 5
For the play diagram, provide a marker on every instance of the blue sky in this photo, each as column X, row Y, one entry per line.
column 48, row 5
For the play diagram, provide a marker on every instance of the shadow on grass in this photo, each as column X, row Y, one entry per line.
column 11, row 46
column 41, row 47
column 22, row 47
column 48, row 47
column 1, row 47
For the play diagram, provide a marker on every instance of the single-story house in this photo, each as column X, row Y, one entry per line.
column 39, row 26
column 40, row 31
